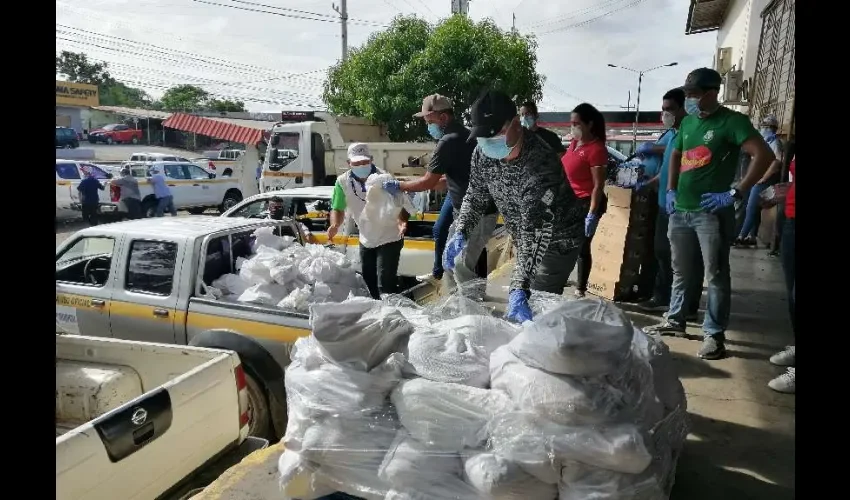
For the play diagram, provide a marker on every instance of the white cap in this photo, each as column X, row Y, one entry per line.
column 155, row 169
column 359, row 151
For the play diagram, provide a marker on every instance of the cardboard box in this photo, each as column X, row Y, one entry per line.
column 626, row 218
column 614, row 271
column 628, row 198
column 635, row 236
column 616, row 252
column 606, row 288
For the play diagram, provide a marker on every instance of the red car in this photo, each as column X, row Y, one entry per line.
column 115, row 133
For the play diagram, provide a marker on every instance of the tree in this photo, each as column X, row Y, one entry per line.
column 75, row 67
column 194, row 98
column 385, row 79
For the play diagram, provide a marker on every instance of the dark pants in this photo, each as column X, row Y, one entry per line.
column 664, row 259
column 585, row 260
column 789, row 266
column 134, row 208
column 379, row 266
column 649, row 265
column 780, row 226
column 441, row 234
column 90, row 214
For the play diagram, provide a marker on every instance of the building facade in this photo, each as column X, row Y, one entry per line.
column 71, row 101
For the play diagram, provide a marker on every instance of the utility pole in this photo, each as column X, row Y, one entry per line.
column 628, row 106
column 460, row 7
column 513, row 21
column 342, row 10
column 637, row 106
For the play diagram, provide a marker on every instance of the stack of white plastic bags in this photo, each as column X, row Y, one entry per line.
column 284, row 274
column 390, row 401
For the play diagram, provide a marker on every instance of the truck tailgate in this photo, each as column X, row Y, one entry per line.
column 143, row 448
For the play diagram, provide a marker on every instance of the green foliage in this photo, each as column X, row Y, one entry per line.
column 193, row 98
column 386, row 79
column 225, row 105
column 118, row 94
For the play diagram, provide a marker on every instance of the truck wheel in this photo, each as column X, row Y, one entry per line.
column 134, row 140
column 231, row 198
column 227, row 173
column 259, row 416
column 109, row 140
column 149, row 208
column 196, row 210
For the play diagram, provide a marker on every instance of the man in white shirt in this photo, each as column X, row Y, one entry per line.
column 380, row 241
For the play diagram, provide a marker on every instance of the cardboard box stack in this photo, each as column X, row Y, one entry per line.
column 622, row 241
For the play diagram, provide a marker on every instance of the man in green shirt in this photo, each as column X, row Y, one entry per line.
column 701, row 203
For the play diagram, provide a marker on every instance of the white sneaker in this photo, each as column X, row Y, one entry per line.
column 784, row 358
column 579, row 294
column 784, row 383
column 427, row 278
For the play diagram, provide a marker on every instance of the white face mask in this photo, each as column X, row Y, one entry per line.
column 668, row 119
column 575, row 132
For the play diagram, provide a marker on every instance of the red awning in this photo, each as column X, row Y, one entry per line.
column 219, row 128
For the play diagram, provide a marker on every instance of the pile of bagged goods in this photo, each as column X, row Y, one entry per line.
column 285, row 274
column 387, row 400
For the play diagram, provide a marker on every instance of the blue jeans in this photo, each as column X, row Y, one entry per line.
column 712, row 235
column 441, row 235
column 789, row 267
column 753, row 217
column 664, row 278
column 165, row 204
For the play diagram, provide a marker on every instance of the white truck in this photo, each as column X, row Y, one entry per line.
column 313, row 152
column 138, row 420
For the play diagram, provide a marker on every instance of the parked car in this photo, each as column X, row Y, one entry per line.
column 115, row 133
column 66, row 138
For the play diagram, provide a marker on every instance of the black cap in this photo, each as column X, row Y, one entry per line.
column 490, row 112
column 702, row 79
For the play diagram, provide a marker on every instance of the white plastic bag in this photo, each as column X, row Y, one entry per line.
column 587, row 337
column 231, row 284
column 501, row 479
column 359, row 332
column 264, row 236
column 297, row 477
column 411, row 466
column 458, row 350
column 257, row 270
column 267, row 294
column 445, row 415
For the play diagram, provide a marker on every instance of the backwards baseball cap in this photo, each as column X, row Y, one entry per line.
column 490, row 112
column 434, row 102
column 770, row 121
column 359, row 151
column 702, row 79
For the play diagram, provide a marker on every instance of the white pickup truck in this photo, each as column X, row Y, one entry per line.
column 137, row 420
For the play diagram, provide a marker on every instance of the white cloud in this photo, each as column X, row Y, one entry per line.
column 239, row 54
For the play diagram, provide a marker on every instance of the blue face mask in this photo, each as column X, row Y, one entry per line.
column 692, row 105
column 362, row 171
column 495, row 147
column 435, row 131
column 527, row 121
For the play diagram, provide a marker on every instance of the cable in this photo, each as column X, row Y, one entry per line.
column 600, row 7
column 335, row 18
column 588, row 21
column 293, row 16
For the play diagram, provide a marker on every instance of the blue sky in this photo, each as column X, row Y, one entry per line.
column 278, row 61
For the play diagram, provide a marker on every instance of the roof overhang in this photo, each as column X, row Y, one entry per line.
column 706, row 15
column 226, row 129
column 134, row 112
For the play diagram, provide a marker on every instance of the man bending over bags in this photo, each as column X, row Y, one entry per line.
column 514, row 168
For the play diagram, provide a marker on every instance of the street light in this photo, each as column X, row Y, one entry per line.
column 637, row 106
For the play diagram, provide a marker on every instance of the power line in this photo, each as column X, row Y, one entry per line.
column 592, row 19
column 599, row 7
column 293, row 16
column 317, row 14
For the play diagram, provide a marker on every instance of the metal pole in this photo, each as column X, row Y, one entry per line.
column 342, row 10
column 149, row 130
column 637, row 113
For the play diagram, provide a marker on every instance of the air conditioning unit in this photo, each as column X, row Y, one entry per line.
column 723, row 61
column 734, row 88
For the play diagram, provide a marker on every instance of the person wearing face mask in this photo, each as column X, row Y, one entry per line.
column 672, row 113
column 515, row 170
column 380, row 247
column 752, row 221
column 700, row 203
column 449, row 166
column 585, row 165
column 528, row 117
column 277, row 212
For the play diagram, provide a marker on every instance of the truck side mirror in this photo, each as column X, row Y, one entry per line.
column 212, row 175
column 275, row 140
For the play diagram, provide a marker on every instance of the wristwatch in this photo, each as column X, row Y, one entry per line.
column 736, row 193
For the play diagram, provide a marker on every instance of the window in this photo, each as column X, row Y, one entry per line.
column 68, row 133
column 67, row 171
column 169, row 158
column 122, row 127
column 285, row 150
column 96, row 172
column 176, row 172
column 254, row 209
column 110, row 127
column 86, row 262
column 196, row 172
column 150, row 268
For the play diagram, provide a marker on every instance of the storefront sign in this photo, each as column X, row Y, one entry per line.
column 76, row 94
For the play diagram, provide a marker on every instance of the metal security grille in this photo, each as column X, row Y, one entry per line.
column 773, row 83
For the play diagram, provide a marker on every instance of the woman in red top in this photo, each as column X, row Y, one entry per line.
column 786, row 382
column 585, row 163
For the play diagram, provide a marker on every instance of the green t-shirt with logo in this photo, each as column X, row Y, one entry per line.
column 710, row 147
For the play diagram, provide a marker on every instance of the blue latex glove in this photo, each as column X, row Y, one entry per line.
column 712, row 202
column 590, row 223
column 518, row 309
column 671, row 201
column 645, row 149
column 392, row 186
column 453, row 248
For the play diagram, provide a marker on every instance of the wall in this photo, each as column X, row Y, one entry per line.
column 741, row 31
column 74, row 114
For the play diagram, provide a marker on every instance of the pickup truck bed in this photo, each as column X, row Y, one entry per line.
column 136, row 420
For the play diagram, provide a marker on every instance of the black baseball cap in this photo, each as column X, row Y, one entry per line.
column 490, row 112
column 702, row 79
